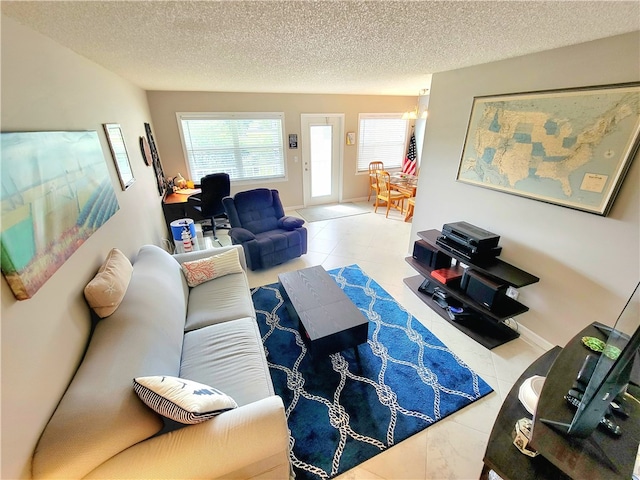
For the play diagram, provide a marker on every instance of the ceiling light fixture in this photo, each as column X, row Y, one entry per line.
column 416, row 113
column 420, row 110
column 410, row 114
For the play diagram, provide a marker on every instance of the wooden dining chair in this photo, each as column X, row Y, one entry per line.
column 411, row 203
column 374, row 167
column 392, row 198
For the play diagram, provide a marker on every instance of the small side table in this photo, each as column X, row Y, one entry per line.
column 201, row 242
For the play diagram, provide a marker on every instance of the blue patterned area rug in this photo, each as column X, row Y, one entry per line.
column 342, row 412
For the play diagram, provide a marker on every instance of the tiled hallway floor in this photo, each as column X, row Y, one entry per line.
column 452, row 448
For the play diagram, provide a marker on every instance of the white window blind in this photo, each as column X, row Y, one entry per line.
column 247, row 146
column 381, row 137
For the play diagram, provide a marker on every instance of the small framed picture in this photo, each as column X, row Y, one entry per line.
column 351, row 138
column 119, row 154
column 293, row 140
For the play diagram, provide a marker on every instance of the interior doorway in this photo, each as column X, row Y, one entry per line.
column 322, row 150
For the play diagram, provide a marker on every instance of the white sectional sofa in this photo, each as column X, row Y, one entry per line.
column 208, row 333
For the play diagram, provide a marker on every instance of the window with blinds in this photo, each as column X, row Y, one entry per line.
column 247, row 146
column 381, row 137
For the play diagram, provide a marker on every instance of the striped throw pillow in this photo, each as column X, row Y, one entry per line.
column 182, row 400
column 205, row 269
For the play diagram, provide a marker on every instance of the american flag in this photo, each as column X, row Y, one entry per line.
column 409, row 164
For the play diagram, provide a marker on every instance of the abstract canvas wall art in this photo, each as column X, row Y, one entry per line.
column 56, row 192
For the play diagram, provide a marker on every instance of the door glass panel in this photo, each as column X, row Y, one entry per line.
column 320, row 150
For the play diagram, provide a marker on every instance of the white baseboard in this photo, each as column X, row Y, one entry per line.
column 347, row 200
column 533, row 338
column 357, row 199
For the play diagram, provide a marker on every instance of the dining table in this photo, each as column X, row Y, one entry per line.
column 407, row 185
column 404, row 183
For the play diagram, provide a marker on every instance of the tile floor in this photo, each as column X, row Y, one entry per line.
column 452, row 448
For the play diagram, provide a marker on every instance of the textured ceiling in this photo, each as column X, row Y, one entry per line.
column 353, row 47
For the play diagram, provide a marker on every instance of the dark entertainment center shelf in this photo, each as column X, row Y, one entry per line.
column 600, row 456
column 484, row 325
column 494, row 267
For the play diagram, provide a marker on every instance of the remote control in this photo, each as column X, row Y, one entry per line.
column 615, row 407
column 618, row 409
column 605, row 422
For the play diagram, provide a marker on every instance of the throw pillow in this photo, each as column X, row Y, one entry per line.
column 106, row 290
column 182, row 400
column 205, row 269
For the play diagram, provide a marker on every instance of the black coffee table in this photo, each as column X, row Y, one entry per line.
column 328, row 321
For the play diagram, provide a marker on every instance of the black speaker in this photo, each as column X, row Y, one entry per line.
column 482, row 289
column 429, row 256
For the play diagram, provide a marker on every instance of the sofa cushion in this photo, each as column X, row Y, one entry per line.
column 182, row 400
column 99, row 414
column 106, row 290
column 230, row 356
column 205, row 269
column 220, row 300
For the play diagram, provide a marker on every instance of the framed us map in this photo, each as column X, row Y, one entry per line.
column 566, row 147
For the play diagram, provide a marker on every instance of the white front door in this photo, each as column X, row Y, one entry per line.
column 322, row 157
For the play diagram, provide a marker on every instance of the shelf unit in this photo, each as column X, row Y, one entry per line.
column 485, row 326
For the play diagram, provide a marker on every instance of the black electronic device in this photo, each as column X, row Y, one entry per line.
column 429, row 256
column 474, row 237
column 466, row 250
column 440, row 301
column 427, row 287
column 586, row 371
column 482, row 289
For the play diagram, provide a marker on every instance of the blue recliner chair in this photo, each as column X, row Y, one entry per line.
column 259, row 224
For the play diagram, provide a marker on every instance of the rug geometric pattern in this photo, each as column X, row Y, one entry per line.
column 341, row 412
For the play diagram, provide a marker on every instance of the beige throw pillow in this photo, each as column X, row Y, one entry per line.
column 105, row 292
column 205, row 269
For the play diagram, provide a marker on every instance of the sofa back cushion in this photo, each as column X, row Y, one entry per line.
column 100, row 415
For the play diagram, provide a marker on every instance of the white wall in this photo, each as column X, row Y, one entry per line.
column 588, row 264
column 164, row 106
column 48, row 87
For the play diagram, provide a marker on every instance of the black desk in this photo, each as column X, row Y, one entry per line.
column 175, row 206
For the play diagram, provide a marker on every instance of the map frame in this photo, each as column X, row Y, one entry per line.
column 597, row 191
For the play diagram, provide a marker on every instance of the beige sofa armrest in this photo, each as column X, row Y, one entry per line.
column 241, row 443
column 198, row 254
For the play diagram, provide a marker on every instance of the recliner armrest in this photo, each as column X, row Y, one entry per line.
column 290, row 223
column 241, row 235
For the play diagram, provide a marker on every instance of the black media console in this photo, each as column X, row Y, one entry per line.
column 483, row 324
